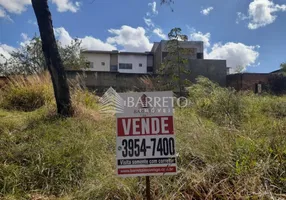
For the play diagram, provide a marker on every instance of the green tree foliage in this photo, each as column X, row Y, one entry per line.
column 71, row 56
column 239, row 69
column 168, row 2
column 173, row 71
column 29, row 58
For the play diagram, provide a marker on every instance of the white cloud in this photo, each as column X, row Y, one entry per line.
column 207, row 11
column 236, row 54
column 19, row 6
column 63, row 36
column 67, row 5
column 132, row 39
column 199, row 36
column 160, row 33
column 88, row 42
column 91, row 43
column 25, row 36
column 15, row 6
column 4, row 15
column 241, row 17
column 2, row 12
column 32, row 22
column 261, row 13
column 153, row 7
column 149, row 22
column 26, row 40
column 5, row 52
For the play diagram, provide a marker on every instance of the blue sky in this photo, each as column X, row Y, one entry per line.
column 248, row 33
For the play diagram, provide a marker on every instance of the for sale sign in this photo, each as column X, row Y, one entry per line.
column 145, row 143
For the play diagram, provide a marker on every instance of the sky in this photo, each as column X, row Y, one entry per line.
column 249, row 34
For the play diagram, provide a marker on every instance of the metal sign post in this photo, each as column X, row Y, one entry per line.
column 148, row 190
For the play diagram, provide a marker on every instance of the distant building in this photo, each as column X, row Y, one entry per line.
column 248, row 81
column 122, row 62
column 122, row 69
column 258, row 82
column 137, row 62
column 160, row 51
column 279, row 71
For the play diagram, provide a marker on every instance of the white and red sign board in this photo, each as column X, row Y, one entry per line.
column 145, row 143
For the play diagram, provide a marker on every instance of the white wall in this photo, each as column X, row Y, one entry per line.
column 97, row 60
column 135, row 60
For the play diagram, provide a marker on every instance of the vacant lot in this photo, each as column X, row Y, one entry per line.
column 230, row 146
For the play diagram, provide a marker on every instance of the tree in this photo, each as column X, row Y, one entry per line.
column 283, row 67
column 173, row 69
column 71, row 56
column 168, row 2
column 239, row 69
column 52, row 57
column 29, row 58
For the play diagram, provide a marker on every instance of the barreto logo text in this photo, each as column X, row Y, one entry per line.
column 112, row 102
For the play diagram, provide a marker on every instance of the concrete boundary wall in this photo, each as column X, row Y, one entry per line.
column 101, row 81
column 215, row 70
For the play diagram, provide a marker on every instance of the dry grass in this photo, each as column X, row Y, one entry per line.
column 228, row 148
column 26, row 93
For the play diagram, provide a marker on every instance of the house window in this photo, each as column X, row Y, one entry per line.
column 150, row 69
column 125, row 66
column 103, row 63
column 140, row 65
column 89, row 64
column 200, row 56
column 113, row 68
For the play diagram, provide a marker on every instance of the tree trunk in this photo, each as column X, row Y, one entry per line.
column 52, row 57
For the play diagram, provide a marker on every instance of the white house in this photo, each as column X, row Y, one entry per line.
column 137, row 62
column 97, row 60
column 132, row 63
column 122, row 62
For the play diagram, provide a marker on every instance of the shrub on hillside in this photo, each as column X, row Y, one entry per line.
column 81, row 97
column 24, row 99
column 223, row 105
column 275, row 107
column 26, row 93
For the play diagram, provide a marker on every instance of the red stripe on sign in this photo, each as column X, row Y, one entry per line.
column 144, row 126
column 146, row 170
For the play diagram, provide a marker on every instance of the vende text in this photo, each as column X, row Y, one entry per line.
column 145, row 126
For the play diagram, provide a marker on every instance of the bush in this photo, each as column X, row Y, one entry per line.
column 223, row 105
column 26, row 93
column 24, row 99
column 275, row 107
